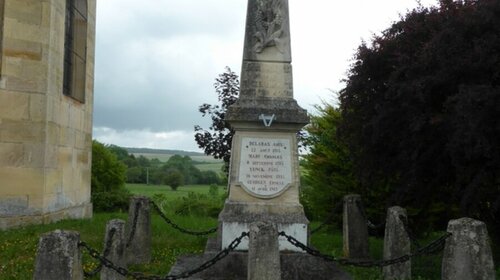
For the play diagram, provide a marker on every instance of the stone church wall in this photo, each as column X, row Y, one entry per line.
column 45, row 136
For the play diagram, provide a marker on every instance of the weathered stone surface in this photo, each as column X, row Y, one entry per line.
column 35, row 117
column 12, row 206
column 467, row 253
column 237, row 217
column 263, row 252
column 265, row 111
column 285, row 111
column 267, row 35
column 355, row 230
column 396, row 244
column 114, row 249
column 58, row 256
column 138, row 237
column 266, row 80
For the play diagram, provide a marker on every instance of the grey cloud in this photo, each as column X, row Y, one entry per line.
column 137, row 85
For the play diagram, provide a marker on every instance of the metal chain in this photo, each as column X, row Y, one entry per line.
column 142, row 276
column 408, row 231
column 370, row 225
column 134, row 224
column 183, row 230
column 432, row 248
column 107, row 248
column 328, row 219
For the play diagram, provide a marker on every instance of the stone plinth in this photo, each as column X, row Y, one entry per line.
column 294, row 266
column 467, row 253
column 396, row 244
column 114, row 249
column 237, row 217
column 355, row 230
column 138, row 236
column 58, row 256
column 263, row 252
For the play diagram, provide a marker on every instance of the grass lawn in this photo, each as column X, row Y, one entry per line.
column 18, row 247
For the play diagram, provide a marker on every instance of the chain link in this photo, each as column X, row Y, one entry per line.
column 369, row 224
column 408, row 231
column 134, row 224
column 183, row 230
column 107, row 248
column 433, row 247
column 142, row 276
column 328, row 219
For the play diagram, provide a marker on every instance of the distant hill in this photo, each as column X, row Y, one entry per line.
column 162, row 152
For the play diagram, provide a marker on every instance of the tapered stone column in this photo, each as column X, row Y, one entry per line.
column 354, row 229
column 396, row 244
column 264, row 171
column 467, row 253
column 58, row 256
column 263, row 252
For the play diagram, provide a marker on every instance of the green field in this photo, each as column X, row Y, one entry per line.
column 182, row 191
column 216, row 167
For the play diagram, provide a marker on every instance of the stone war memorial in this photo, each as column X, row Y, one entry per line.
column 46, row 103
column 264, row 170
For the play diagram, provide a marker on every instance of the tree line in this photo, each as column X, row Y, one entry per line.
column 176, row 171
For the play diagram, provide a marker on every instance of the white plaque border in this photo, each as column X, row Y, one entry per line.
column 270, row 196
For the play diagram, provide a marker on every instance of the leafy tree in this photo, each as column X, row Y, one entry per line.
column 216, row 140
column 415, row 101
column 136, row 175
column 107, row 180
column 328, row 166
column 209, row 177
column 122, row 154
column 183, row 164
column 174, row 178
column 108, row 173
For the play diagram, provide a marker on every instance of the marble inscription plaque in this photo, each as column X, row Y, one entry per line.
column 265, row 166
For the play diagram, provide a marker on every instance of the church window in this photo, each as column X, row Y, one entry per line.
column 2, row 6
column 75, row 49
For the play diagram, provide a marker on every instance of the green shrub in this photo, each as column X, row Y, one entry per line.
column 213, row 191
column 108, row 180
column 116, row 201
column 108, row 173
column 194, row 204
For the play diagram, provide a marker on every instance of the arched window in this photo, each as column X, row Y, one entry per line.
column 75, row 49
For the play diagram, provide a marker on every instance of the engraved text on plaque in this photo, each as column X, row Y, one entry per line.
column 265, row 166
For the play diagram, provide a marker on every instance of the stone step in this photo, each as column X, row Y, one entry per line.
column 294, row 266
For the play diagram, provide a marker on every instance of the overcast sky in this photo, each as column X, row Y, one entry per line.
column 156, row 60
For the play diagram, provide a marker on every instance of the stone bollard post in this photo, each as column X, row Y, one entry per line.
column 467, row 253
column 396, row 244
column 58, row 256
column 263, row 252
column 138, row 237
column 114, row 249
column 355, row 229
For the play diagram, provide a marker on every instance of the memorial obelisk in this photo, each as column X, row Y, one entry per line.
column 264, row 171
